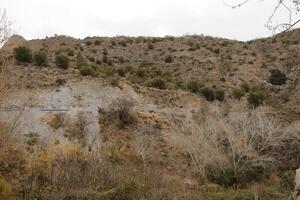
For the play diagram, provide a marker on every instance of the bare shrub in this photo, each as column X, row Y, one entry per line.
column 243, row 146
column 142, row 145
column 121, row 113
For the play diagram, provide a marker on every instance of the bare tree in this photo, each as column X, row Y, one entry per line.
column 141, row 145
column 292, row 8
column 5, row 27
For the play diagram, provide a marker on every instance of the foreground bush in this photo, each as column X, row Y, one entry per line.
column 62, row 61
column 5, row 190
column 40, row 59
column 23, row 54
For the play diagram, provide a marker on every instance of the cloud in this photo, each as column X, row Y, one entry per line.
column 77, row 18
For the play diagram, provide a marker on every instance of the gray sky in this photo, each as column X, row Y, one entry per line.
column 82, row 18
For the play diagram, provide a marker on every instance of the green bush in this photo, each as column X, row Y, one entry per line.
column 208, row 93
column 287, row 180
column 277, row 77
column 140, row 73
column 157, row 83
column 168, row 59
column 124, row 192
column 62, row 61
column 220, row 95
column 70, row 52
column 256, row 98
column 87, row 71
column 23, row 54
column 225, row 178
column 5, row 190
column 193, row 86
column 238, row 92
column 40, row 59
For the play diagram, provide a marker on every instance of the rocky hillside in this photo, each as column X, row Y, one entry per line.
column 196, row 110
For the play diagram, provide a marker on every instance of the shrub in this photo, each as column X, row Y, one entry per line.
column 121, row 72
column 238, row 92
column 140, row 73
column 97, row 42
column 88, row 43
column 60, row 81
column 246, row 87
column 123, row 43
column 208, row 93
column 220, row 95
column 70, row 52
column 287, row 180
column 157, row 83
column 91, row 59
column 98, row 62
column 121, row 60
column 225, row 178
column 40, row 59
column 193, row 86
column 114, row 82
column 150, row 46
column 110, row 63
column 87, row 71
column 23, row 54
column 105, row 59
column 5, row 190
column 256, row 98
column 62, row 61
column 168, row 59
column 122, row 113
column 277, row 77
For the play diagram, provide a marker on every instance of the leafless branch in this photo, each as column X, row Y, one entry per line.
column 281, row 27
column 5, row 27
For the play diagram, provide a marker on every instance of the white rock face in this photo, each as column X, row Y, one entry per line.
column 31, row 109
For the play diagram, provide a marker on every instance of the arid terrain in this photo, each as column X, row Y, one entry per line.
column 191, row 117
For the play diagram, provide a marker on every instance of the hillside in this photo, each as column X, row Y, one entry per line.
column 166, row 118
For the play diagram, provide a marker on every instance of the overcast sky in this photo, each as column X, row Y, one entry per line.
column 81, row 18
